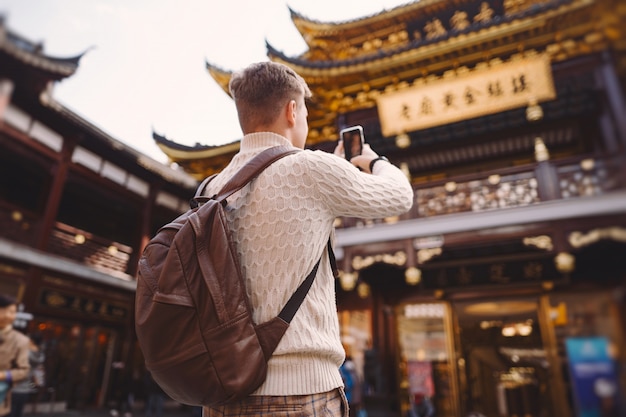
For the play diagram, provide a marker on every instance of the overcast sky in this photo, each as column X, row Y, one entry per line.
column 144, row 66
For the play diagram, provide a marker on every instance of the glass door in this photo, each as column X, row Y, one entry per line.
column 426, row 360
column 504, row 368
column 588, row 334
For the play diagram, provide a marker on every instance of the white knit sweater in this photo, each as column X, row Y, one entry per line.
column 281, row 223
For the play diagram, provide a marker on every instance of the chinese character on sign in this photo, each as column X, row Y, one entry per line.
column 434, row 29
column 427, row 106
column 533, row 270
column 448, row 100
column 470, row 95
column 495, row 89
column 519, row 84
column 459, row 20
column 485, row 13
column 406, row 112
column 496, row 273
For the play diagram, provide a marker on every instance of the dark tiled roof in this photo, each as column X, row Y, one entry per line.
column 31, row 54
column 296, row 15
column 416, row 43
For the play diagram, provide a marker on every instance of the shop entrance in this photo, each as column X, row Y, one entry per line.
column 78, row 360
column 503, row 364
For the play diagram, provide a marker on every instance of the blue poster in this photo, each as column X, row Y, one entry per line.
column 594, row 377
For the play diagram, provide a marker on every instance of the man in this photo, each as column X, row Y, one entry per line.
column 29, row 386
column 14, row 349
column 281, row 223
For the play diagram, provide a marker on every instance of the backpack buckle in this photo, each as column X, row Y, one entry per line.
column 196, row 202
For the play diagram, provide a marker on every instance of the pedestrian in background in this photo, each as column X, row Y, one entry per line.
column 352, row 386
column 155, row 397
column 281, row 223
column 123, row 394
column 14, row 349
column 35, row 380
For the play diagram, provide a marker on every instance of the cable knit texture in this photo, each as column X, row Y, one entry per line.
column 281, row 222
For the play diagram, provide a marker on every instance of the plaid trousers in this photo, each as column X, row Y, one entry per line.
column 327, row 404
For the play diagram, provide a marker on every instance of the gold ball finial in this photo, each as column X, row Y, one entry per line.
column 541, row 151
column 348, row 280
column 565, row 262
column 534, row 111
column 403, row 141
column 363, row 290
column 412, row 275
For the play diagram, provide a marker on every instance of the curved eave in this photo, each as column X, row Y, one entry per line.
column 419, row 50
column 311, row 29
column 179, row 152
column 385, row 59
column 221, row 76
column 30, row 54
column 143, row 160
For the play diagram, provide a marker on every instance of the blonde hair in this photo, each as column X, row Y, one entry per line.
column 261, row 91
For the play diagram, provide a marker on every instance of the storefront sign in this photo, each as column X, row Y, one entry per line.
column 81, row 305
column 594, row 377
column 497, row 273
column 475, row 93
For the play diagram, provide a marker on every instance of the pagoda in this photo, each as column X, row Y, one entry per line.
column 508, row 116
column 350, row 65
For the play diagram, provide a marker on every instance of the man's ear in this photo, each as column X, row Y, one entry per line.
column 290, row 110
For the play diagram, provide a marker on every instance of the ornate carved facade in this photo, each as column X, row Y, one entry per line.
column 508, row 116
column 76, row 208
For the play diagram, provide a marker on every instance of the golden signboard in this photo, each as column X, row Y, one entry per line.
column 475, row 93
column 82, row 305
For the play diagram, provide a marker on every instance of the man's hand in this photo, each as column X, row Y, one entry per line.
column 360, row 161
column 363, row 161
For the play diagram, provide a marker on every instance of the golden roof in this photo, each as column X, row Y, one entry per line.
column 349, row 64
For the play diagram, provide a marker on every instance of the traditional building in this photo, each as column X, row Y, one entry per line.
column 76, row 208
column 502, row 291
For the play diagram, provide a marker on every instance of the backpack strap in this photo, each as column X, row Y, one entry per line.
column 198, row 197
column 271, row 332
column 245, row 174
column 203, row 185
column 252, row 169
column 292, row 306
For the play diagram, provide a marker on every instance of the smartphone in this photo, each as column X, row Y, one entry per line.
column 353, row 140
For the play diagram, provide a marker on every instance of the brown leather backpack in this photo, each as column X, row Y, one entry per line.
column 193, row 317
